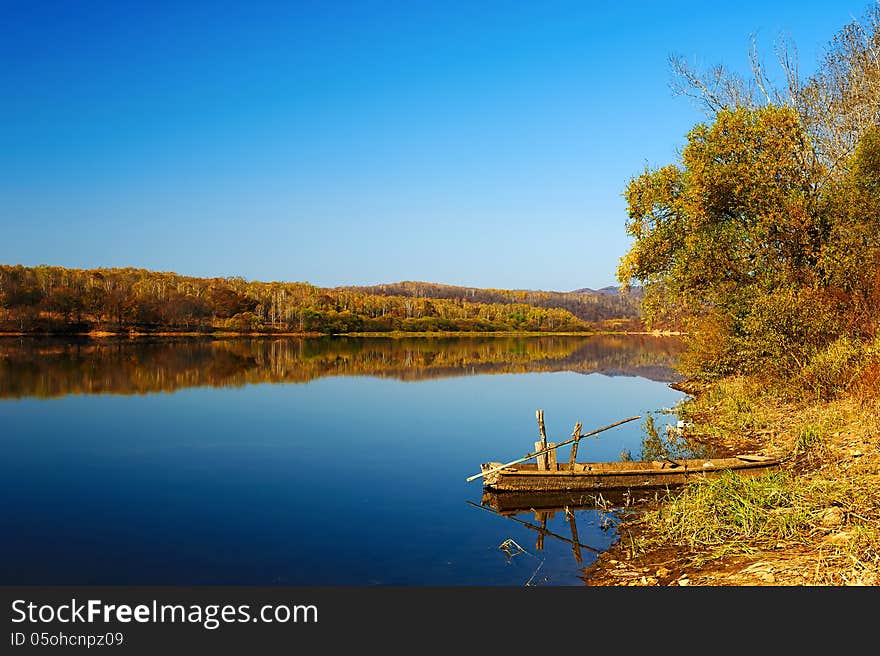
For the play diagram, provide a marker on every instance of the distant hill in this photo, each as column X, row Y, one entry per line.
column 586, row 304
column 611, row 290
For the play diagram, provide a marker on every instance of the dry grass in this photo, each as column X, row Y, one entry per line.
column 815, row 521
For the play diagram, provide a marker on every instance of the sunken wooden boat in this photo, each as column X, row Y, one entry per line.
column 617, row 476
column 547, row 475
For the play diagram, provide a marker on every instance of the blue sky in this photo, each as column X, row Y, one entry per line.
column 474, row 143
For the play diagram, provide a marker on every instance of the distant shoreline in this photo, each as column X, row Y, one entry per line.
column 397, row 334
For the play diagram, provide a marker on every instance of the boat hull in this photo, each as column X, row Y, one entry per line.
column 635, row 475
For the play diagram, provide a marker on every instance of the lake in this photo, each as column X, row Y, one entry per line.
column 327, row 461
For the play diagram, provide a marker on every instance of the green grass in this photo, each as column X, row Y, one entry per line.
column 734, row 513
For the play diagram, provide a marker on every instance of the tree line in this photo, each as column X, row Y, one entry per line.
column 54, row 299
column 590, row 306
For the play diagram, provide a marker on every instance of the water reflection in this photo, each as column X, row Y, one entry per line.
column 34, row 367
column 542, row 516
column 557, row 515
column 356, row 478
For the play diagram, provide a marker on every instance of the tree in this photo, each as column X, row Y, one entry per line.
column 763, row 242
column 733, row 235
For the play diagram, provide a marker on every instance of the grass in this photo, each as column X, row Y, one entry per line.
column 734, row 514
column 819, row 514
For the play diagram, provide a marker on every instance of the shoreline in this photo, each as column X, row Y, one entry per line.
column 825, row 488
column 397, row 334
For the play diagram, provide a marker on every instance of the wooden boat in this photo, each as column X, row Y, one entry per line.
column 547, row 475
column 616, row 476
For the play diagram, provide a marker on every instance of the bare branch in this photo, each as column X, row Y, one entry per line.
column 703, row 88
column 758, row 72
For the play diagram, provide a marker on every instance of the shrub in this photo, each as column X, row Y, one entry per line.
column 832, row 370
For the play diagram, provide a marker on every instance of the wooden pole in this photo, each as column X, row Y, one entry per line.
column 529, row 456
column 540, row 415
column 576, row 436
column 541, row 445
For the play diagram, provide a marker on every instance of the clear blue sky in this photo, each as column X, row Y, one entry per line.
column 474, row 143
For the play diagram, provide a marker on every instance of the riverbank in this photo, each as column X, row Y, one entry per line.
column 813, row 522
column 397, row 334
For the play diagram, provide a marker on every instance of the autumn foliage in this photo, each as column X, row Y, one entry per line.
column 763, row 241
column 53, row 299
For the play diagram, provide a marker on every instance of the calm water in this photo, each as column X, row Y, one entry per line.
column 304, row 462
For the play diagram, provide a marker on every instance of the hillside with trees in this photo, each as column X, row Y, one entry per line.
column 53, row 299
column 586, row 304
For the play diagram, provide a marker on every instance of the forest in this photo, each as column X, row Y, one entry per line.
column 58, row 300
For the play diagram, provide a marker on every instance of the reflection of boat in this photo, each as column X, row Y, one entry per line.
column 505, row 503
column 626, row 475
column 543, row 516
column 516, row 506
column 543, row 506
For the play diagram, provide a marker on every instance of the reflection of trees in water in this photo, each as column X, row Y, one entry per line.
column 47, row 367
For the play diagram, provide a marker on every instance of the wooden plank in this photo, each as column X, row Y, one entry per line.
column 551, row 457
column 542, row 456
